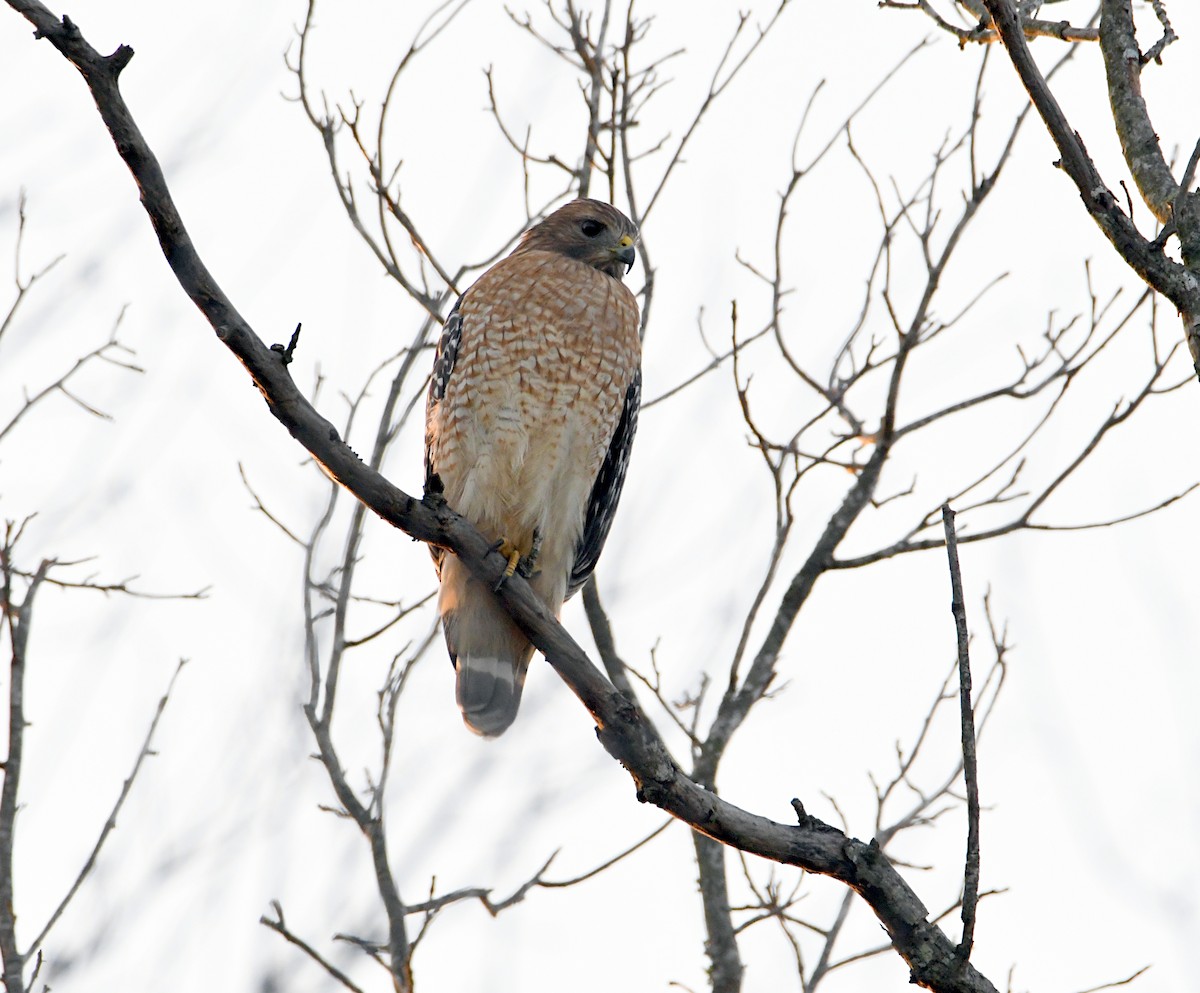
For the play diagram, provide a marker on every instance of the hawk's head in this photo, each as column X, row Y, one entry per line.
column 593, row 232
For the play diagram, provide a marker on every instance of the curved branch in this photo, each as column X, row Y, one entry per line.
column 1139, row 143
column 1169, row 201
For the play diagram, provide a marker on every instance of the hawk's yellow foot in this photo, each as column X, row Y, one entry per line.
column 518, row 561
column 513, row 554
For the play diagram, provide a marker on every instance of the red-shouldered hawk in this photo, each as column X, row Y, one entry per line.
column 532, row 410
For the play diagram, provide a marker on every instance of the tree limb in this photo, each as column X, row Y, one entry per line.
column 18, row 616
column 970, row 897
column 1139, row 143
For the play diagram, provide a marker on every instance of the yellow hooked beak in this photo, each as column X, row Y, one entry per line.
column 624, row 252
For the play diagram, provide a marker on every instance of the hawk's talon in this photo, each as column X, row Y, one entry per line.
column 514, row 559
column 517, row 563
column 434, row 491
column 510, row 552
column 525, row 566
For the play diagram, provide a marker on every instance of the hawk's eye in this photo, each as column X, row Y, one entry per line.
column 591, row 228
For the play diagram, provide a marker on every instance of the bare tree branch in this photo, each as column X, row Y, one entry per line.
column 111, row 822
column 970, row 897
column 23, row 285
column 279, row 926
column 1120, row 982
column 1174, row 281
column 18, row 617
column 1123, row 65
column 112, row 352
column 984, row 33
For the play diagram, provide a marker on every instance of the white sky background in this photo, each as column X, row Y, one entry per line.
column 1088, row 771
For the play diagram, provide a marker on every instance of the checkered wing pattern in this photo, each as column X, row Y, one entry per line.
column 602, row 505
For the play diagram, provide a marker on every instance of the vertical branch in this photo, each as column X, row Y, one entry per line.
column 725, row 971
column 606, row 645
column 591, row 57
column 970, row 767
column 399, row 948
column 821, row 969
column 319, row 710
column 1131, row 117
column 18, row 617
column 23, row 285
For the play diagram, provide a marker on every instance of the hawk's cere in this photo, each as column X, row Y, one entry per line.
column 532, row 409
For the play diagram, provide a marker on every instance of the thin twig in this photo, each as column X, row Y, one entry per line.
column 279, row 926
column 23, row 285
column 970, row 764
column 19, row 618
column 1120, row 982
column 111, row 822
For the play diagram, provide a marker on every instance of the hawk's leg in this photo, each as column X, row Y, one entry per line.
column 516, row 561
column 434, row 490
column 513, row 554
column 525, row 566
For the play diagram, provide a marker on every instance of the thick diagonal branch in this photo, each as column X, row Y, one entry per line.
column 1139, row 143
column 1169, row 201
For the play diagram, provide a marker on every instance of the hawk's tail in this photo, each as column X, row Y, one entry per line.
column 489, row 652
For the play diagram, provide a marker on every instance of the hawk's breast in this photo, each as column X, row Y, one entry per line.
column 549, row 348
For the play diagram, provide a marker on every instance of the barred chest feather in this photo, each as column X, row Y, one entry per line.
column 548, row 350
